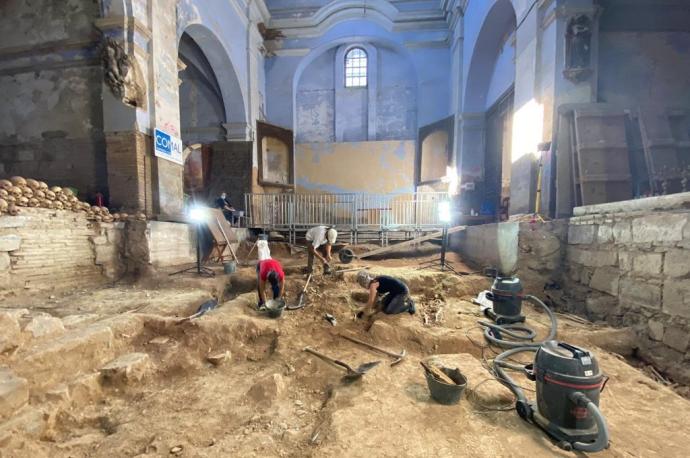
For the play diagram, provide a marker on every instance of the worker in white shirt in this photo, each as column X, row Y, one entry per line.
column 321, row 236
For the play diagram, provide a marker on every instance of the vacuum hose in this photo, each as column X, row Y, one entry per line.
column 524, row 336
column 602, row 440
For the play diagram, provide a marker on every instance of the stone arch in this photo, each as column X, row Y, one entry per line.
column 224, row 71
column 499, row 20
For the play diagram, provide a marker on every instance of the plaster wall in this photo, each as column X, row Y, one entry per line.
column 649, row 70
column 503, row 75
column 361, row 167
column 51, row 122
column 385, row 110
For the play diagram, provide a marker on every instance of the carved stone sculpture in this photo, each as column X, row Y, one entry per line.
column 578, row 48
column 121, row 74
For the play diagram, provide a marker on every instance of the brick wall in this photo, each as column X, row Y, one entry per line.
column 55, row 249
column 130, row 171
column 231, row 171
column 42, row 249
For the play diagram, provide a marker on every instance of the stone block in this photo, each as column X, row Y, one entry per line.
column 605, row 234
column 10, row 242
column 677, row 298
column 127, row 369
column 267, row 389
column 581, row 235
column 85, row 388
column 10, row 333
column 76, row 351
column 625, row 261
column 12, row 222
column 44, row 326
column 600, row 307
column 648, row 263
column 99, row 240
column 5, row 262
column 14, row 393
column 655, row 330
column 622, row 232
column 677, row 263
column 592, row 258
column 606, row 279
column 677, row 338
column 58, row 394
column 659, row 229
column 640, row 292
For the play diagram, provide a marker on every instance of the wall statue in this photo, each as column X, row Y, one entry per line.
column 122, row 75
column 579, row 48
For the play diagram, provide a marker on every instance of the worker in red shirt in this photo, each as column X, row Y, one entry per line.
column 270, row 270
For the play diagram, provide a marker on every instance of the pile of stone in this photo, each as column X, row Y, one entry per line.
column 20, row 192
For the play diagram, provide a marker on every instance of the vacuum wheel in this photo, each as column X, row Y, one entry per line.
column 346, row 256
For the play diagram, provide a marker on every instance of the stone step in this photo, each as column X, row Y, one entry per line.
column 126, row 369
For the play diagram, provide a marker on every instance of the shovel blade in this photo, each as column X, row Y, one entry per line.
column 366, row 367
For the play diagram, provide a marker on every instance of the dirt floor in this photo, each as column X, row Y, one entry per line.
column 270, row 398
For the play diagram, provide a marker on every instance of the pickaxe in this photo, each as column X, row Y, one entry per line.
column 398, row 356
column 352, row 374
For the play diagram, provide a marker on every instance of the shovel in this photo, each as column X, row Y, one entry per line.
column 351, row 374
column 300, row 298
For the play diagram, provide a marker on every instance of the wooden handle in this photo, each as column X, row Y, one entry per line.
column 437, row 373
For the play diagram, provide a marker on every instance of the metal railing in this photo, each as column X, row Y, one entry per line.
column 357, row 212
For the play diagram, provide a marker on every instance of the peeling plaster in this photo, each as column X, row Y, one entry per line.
column 375, row 167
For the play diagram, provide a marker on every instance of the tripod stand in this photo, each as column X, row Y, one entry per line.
column 443, row 264
column 198, row 268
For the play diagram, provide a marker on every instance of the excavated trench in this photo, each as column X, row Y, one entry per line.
column 237, row 383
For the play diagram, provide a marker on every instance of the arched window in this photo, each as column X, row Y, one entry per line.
column 356, row 68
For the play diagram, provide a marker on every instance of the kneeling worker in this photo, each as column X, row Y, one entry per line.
column 394, row 295
column 321, row 236
column 270, row 270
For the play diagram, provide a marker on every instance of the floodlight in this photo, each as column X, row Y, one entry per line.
column 198, row 213
column 444, row 214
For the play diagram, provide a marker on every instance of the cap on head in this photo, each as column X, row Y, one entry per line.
column 331, row 235
column 364, row 279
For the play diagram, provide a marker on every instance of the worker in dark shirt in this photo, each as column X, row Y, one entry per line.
column 393, row 295
column 270, row 271
column 224, row 204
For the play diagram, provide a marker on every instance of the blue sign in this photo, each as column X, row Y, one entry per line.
column 167, row 147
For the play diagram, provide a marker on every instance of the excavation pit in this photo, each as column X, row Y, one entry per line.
column 264, row 396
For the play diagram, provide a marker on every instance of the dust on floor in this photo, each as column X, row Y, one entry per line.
column 270, row 398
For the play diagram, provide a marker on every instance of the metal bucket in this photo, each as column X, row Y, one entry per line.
column 275, row 307
column 230, row 267
column 444, row 393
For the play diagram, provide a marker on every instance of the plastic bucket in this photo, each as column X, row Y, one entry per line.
column 444, row 393
column 230, row 267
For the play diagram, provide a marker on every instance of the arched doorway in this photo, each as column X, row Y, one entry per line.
column 488, row 102
column 212, row 109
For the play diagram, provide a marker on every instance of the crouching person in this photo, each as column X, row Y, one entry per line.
column 386, row 294
column 269, row 271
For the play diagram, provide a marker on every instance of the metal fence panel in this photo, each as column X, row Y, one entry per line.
column 412, row 211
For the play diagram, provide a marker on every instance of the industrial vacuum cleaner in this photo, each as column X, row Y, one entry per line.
column 568, row 378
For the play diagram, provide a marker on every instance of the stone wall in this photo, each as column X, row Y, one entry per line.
column 633, row 269
column 626, row 263
column 43, row 249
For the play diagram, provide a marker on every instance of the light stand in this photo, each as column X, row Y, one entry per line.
column 445, row 216
column 198, row 215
